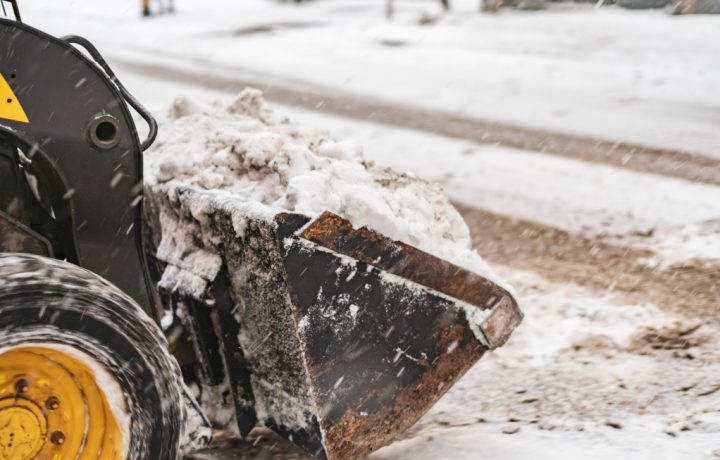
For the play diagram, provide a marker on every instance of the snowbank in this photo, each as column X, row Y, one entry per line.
column 243, row 148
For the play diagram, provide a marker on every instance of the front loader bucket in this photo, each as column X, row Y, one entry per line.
column 337, row 338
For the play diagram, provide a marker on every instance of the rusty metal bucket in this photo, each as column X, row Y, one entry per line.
column 336, row 337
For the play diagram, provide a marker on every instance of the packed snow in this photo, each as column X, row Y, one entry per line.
column 244, row 148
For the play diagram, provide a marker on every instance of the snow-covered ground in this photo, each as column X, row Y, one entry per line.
column 589, row 374
column 583, row 377
column 641, row 76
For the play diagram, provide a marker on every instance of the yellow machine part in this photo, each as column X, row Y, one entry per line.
column 10, row 107
column 51, row 408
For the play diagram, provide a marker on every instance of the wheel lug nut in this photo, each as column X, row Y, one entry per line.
column 21, row 386
column 52, row 403
column 57, row 437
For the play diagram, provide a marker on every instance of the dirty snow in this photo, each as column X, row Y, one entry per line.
column 241, row 147
column 585, row 376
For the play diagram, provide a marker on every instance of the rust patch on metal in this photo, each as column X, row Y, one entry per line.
column 356, row 434
column 338, row 234
column 500, row 324
column 398, row 258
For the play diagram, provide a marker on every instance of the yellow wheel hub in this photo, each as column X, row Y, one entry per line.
column 52, row 408
column 21, row 432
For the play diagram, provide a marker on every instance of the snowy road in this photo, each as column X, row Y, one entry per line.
column 671, row 162
column 544, row 213
column 617, row 355
column 630, row 367
column 641, row 76
column 614, row 249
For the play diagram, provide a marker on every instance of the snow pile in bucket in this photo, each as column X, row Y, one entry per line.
column 244, row 148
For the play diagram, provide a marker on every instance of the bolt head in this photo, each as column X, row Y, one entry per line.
column 57, row 437
column 21, row 386
column 52, row 403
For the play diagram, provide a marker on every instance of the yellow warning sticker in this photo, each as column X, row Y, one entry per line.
column 10, row 107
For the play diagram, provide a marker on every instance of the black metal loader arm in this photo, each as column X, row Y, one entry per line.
column 68, row 117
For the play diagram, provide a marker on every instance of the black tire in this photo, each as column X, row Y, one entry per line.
column 46, row 300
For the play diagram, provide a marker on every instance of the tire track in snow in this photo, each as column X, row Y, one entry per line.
column 691, row 289
column 636, row 157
